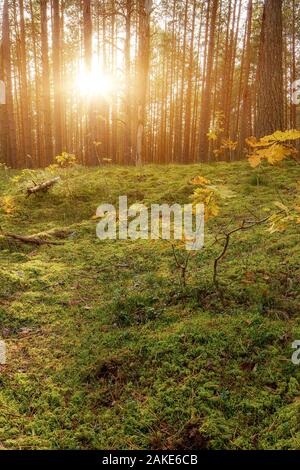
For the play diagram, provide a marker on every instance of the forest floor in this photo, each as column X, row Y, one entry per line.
column 105, row 348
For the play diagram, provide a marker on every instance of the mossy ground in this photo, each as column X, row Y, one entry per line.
column 107, row 350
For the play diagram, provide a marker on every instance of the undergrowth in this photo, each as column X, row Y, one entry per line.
column 106, row 349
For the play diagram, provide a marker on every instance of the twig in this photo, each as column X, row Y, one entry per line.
column 182, row 266
column 246, row 225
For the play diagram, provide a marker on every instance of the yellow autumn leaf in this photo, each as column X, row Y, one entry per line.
column 229, row 144
column 8, row 205
column 276, row 153
column 254, row 160
column 282, row 136
column 251, row 141
column 211, row 210
column 212, row 135
column 200, row 181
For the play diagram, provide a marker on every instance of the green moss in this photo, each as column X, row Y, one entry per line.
column 107, row 350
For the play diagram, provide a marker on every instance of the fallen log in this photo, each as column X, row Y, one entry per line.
column 58, row 233
column 44, row 187
column 32, row 240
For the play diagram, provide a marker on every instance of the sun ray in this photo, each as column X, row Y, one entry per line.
column 94, row 84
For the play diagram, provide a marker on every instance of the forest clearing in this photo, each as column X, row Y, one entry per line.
column 172, row 325
column 105, row 345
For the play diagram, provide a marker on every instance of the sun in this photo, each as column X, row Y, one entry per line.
column 94, row 83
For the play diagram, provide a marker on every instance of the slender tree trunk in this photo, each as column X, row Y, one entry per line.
column 56, row 44
column 188, row 110
column 90, row 156
column 294, row 67
column 128, row 110
column 179, row 145
column 37, row 90
column 46, row 105
column 245, row 126
column 206, row 103
column 26, row 155
column 8, row 126
column 144, row 7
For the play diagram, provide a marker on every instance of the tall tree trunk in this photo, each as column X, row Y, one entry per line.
column 188, row 110
column 46, row 105
column 7, row 121
column 128, row 110
column 269, row 111
column 245, row 125
column 179, row 130
column 56, row 44
column 88, row 54
column 294, row 67
column 206, row 102
column 26, row 154
column 38, row 142
column 144, row 12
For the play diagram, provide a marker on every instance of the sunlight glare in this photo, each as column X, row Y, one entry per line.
column 93, row 84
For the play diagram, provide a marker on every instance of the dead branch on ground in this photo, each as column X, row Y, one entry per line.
column 43, row 187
